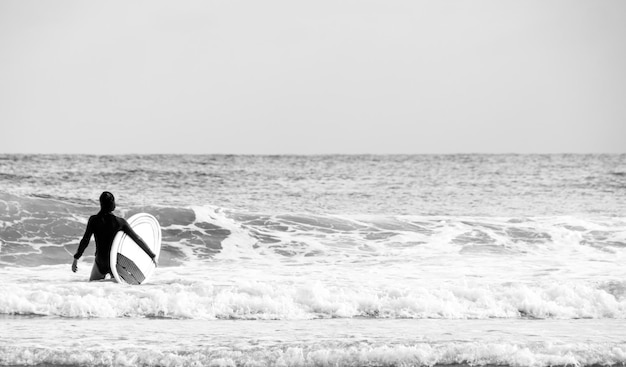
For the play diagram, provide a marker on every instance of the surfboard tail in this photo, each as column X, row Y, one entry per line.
column 128, row 270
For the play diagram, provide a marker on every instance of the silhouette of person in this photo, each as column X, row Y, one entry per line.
column 104, row 226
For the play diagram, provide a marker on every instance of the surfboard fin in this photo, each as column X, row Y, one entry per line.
column 128, row 271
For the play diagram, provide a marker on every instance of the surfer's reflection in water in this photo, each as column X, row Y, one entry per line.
column 104, row 226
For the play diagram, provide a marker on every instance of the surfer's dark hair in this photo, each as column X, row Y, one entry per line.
column 107, row 202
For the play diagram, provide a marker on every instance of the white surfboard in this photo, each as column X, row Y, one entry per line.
column 129, row 263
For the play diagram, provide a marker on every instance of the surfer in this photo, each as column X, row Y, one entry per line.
column 104, row 226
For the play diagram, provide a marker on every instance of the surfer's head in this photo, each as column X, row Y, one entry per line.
column 107, row 202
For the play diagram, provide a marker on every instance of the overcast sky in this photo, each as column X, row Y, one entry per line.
column 312, row 77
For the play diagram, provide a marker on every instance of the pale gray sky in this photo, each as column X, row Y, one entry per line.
column 272, row 77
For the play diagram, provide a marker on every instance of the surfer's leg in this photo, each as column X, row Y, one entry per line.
column 96, row 274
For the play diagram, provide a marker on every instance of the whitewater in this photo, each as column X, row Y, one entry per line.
column 321, row 261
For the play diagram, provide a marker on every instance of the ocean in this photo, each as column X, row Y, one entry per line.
column 333, row 260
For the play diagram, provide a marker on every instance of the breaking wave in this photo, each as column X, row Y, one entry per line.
column 224, row 264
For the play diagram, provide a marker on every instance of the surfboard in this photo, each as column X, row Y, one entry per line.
column 129, row 263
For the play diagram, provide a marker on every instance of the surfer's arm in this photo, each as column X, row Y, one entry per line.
column 83, row 245
column 129, row 231
column 85, row 241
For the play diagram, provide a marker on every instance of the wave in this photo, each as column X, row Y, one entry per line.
column 354, row 354
column 226, row 264
column 43, row 230
column 178, row 296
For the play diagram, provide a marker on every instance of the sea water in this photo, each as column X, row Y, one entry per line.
column 515, row 260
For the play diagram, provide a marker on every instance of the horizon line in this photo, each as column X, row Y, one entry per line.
column 313, row 154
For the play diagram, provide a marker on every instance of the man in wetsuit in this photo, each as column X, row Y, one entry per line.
column 104, row 226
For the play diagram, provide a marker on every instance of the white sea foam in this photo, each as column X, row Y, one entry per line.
column 233, row 293
column 472, row 354
column 336, row 342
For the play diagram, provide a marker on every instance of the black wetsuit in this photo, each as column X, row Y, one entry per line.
column 104, row 227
